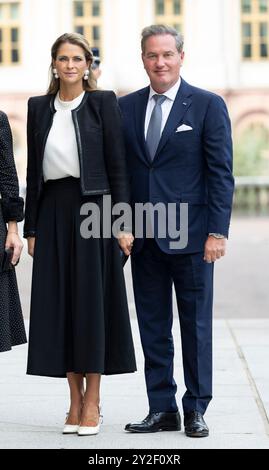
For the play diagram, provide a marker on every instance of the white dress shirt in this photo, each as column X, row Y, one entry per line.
column 61, row 151
column 166, row 106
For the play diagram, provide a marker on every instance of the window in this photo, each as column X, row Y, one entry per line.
column 88, row 20
column 177, row 7
column 79, row 10
column 96, row 33
column 14, row 11
column 96, row 8
column 10, row 33
column 255, row 29
column 80, row 30
column 246, row 6
column 263, row 5
column 170, row 12
column 160, row 7
column 1, row 46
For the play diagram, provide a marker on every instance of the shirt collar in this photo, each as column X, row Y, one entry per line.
column 170, row 94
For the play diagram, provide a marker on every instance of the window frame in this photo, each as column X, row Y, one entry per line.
column 89, row 22
column 7, row 25
column 169, row 16
column 255, row 41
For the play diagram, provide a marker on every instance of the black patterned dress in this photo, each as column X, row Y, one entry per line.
column 12, row 330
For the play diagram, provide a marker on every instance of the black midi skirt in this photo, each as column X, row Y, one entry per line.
column 79, row 319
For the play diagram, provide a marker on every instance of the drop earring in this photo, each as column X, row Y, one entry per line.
column 55, row 73
column 86, row 75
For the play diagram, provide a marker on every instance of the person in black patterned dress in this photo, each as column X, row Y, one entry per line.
column 12, row 331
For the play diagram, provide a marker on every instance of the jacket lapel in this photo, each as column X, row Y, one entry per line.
column 44, row 121
column 177, row 113
column 140, row 113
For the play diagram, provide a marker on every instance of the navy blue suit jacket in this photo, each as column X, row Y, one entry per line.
column 193, row 166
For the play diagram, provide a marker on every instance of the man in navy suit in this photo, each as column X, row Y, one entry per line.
column 179, row 150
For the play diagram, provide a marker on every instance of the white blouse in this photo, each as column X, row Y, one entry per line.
column 61, row 152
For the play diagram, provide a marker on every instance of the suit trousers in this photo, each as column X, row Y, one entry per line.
column 154, row 273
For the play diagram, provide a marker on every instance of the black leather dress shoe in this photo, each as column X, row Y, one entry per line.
column 195, row 425
column 155, row 422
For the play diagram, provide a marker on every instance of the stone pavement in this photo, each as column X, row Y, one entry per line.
column 32, row 409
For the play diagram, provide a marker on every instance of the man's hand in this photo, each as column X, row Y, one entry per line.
column 126, row 242
column 215, row 248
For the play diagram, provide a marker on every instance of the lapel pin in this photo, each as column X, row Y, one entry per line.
column 185, row 104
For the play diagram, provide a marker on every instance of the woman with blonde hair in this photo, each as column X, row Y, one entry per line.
column 79, row 319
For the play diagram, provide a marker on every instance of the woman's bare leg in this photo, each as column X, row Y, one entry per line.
column 90, row 411
column 76, row 386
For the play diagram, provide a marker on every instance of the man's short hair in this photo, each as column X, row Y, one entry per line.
column 158, row 29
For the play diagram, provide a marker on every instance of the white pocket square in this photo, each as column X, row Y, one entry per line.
column 184, row 127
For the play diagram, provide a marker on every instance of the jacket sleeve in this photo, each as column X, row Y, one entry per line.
column 31, row 177
column 12, row 204
column 217, row 144
column 114, row 149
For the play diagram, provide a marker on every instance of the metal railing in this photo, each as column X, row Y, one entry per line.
column 252, row 194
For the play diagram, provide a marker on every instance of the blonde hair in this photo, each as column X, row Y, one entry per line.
column 78, row 40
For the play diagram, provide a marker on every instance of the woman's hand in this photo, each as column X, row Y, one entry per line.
column 126, row 242
column 13, row 241
column 31, row 245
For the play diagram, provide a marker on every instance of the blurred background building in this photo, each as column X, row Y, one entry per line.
column 226, row 47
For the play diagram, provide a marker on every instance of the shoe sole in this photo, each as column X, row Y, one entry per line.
column 164, row 428
column 197, row 434
column 70, row 431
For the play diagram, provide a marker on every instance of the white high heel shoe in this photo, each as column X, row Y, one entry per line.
column 90, row 430
column 70, row 428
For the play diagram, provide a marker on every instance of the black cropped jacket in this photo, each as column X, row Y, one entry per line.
column 98, row 128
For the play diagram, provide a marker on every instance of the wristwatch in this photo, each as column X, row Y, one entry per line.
column 217, row 235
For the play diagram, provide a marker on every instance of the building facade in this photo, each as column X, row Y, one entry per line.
column 226, row 47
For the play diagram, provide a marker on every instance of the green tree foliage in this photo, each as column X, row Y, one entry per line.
column 250, row 152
